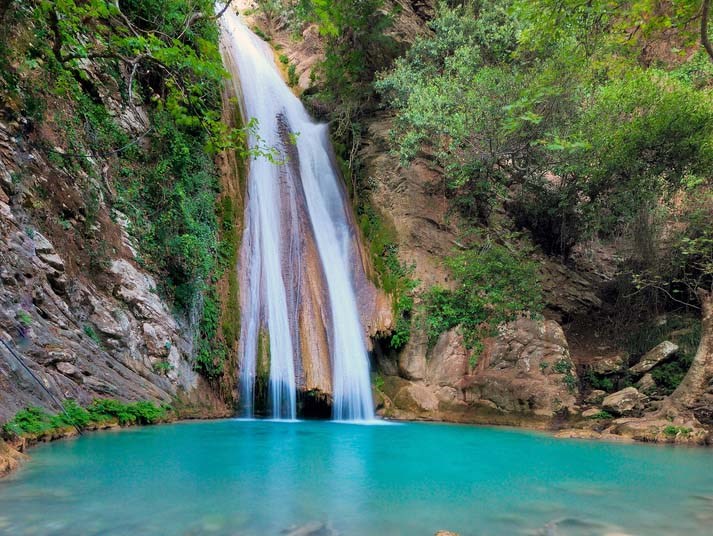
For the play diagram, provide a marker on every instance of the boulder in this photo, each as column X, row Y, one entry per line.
column 591, row 412
column 624, row 402
column 416, row 398
column 54, row 260
column 448, row 361
column 609, row 364
column 42, row 245
column 69, row 370
column 646, row 383
column 526, row 369
column 412, row 361
column 595, row 396
column 653, row 357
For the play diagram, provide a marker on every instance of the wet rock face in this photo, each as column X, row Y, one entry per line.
column 104, row 333
column 526, row 370
column 10, row 459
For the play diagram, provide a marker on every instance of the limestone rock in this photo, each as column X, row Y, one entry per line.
column 646, row 383
column 54, row 260
column 653, row 357
column 42, row 245
column 591, row 412
column 625, row 402
column 412, row 361
column 526, row 369
column 10, row 459
column 610, row 364
column 595, row 396
column 448, row 362
column 416, row 398
column 69, row 370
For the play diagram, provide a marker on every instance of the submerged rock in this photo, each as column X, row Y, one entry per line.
column 314, row 528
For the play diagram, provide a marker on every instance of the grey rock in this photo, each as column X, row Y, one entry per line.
column 653, row 357
column 625, row 402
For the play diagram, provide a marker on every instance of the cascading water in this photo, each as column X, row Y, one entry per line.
column 302, row 181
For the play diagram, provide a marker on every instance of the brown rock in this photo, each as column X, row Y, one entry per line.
column 448, row 362
column 608, row 364
column 595, row 396
column 68, row 369
column 412, row 361
column 527, row 369
column 646, row 383
column 591, row 412
column 416, row 398
column 625, row 402
column 10, row 459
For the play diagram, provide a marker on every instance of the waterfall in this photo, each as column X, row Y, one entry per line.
column 295, row 203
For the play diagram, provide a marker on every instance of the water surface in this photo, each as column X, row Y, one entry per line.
column 259, row 478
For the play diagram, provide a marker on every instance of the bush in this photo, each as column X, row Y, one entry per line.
column 602, row 415
column 29, row 421
column 495, row 285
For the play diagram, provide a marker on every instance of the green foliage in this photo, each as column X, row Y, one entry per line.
column 211, row 354
column 106, row 410
column 561, row 121
column 393, row 276
column 356, row 44
column 378, row 382
column 162, row 367
column 24, row 318
column 28, row 421
column 673, row 431
column 495, row 285
column 292, row 78
column 684, row 331
column 158, row 55
column 34, row 421
column 170, row 197
column 602, row 415
column 90, row 332
column 598, row 381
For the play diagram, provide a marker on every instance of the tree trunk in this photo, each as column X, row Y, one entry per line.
column 693, row 391
column 705, row 9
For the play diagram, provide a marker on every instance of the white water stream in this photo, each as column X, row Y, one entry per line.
column 271, row 258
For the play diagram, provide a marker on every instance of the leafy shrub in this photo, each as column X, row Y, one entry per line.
column 673, row 431
column 292, row 78
column 24, row 318
column 36, row 421
column 495, row 285
column 107, row 409
column 90, row 332
column 29, row 421
column 604, row 415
